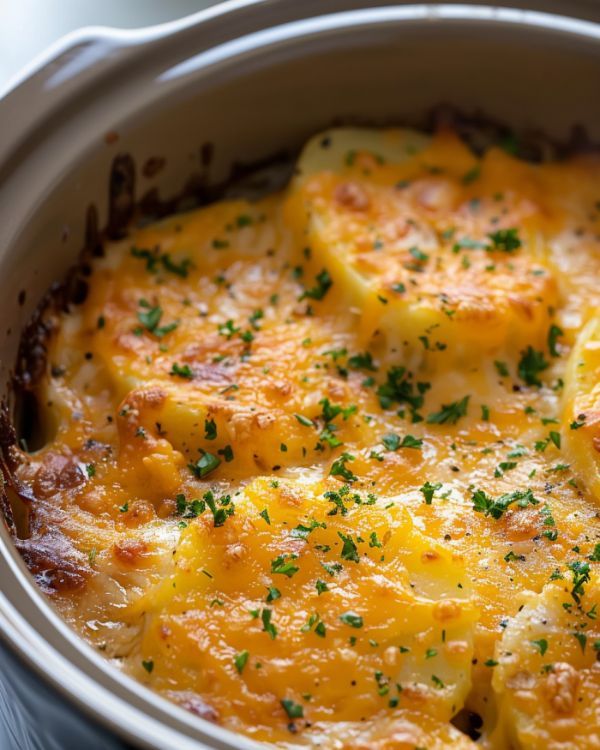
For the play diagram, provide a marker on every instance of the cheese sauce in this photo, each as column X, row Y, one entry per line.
column 324, row 467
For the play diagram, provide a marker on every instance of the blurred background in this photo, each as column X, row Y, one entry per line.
column 29, row 26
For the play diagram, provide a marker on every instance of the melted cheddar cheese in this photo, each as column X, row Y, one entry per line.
column 325, row 467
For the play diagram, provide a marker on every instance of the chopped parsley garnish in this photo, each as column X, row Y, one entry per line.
column 331, row 411
column 553, row 335
column 227, row 453
column 472, row 175
column 392, row 442
column 531, row 364
column 222, row 512
column 150, row 317
column 268, row 626
column 305, row 421
column 400, row 388
column 362, row 362
column 148, row 665
column 240, row 660
column 179, row 269
column 505, row 240
column 228, row 329
column 303, row 531
column 339, row 468
column 483, row 503
column 550, row 533
column 418, row 254
column 220, row 508
column 293, row 710
column 409, row 441
column 243, row 220
column 429, row 489
column 327, row 435
column 182, row 371
column 191, row 509
column 155, row 259
column 331, row 568
column 335, row 354
column 555, row 438
column 581, row 576
column 595, row 556
column 512, row 557
column 321, row 288
column 352, row 619
column 504, row 466
column 319, row 626
column 284, row 565
column 541, row 645
column 349, row 550
column 204, row 465
column 337, row 498
column 210, row 429
column 449, row 413
column 254, row 318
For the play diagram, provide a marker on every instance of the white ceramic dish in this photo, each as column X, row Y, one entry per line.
column 252, row 79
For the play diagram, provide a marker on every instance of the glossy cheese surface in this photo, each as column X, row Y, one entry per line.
column 325, row 467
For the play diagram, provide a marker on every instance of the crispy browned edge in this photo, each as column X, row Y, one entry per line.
column 478, row 130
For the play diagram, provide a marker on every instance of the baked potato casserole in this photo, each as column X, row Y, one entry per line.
column 324, row 467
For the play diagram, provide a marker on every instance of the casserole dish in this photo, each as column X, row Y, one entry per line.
column 191, row 84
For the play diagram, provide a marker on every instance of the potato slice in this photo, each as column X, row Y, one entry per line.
column 548, row 679
column 198, row 350
column 407, row 730
column 370, row 616
column 338, row 148
column 581, row 406
column 424, row 257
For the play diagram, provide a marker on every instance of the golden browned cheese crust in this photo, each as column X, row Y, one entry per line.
column 325, row 468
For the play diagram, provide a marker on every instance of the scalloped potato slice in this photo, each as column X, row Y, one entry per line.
column 407, row 730
column 196, row 348
column 368, row 614
column 247, row 437
column 581, row 406
column 339, row 148
column 407, row 237
column 548, row 677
